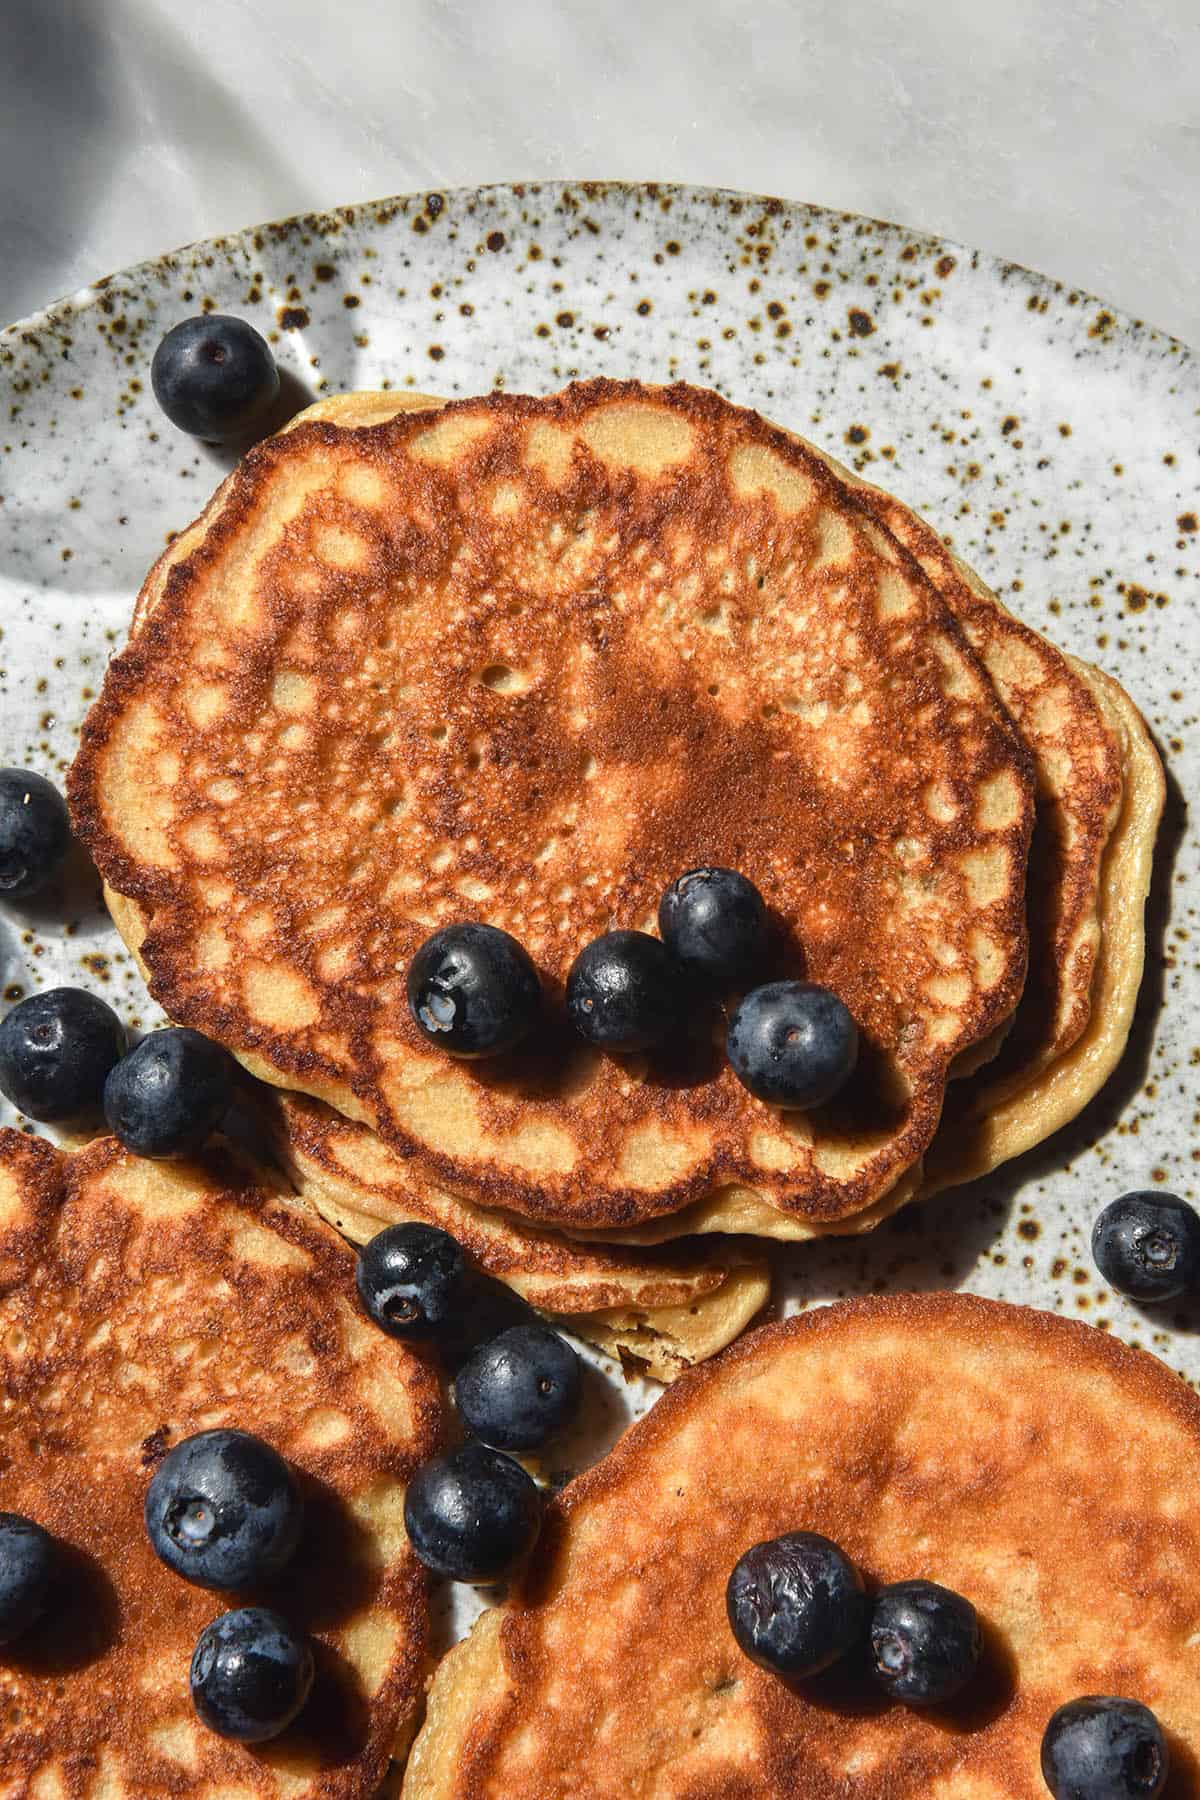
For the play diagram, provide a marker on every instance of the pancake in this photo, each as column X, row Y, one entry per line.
column 660, row 1313
column 141, row 1302
column 1035, row 1465
column 552, row 562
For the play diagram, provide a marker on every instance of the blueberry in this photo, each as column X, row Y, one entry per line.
column 1147, row 1245
column 925, row 1642
column 625, row 991
column 795, row 1604
column 472, row 1514
column 34, row 832
column 473, row 991
column 223, row 1510
column 251, row 1673
column 792, row 1044
column 56, row 1050
column 169, row 1093
column 1105, row 1749
column 714, row 922
column 27, row 1562
column 520, row 1389
column 215, row 377
column 413, row 1281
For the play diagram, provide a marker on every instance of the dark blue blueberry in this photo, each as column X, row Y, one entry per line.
column 223, row 1510
column 413, row 1281
column 251, row 1674
column 473, row 991
column 714, row 922
column 1147, row 1245
column 27, row 1563
column 625, row 991
column 169, row 1093
column 215, row 377
column 34, row 832
column 1100, row 1748
column 796, row 1604
column 925, row 1642
column 56, row 1051
column 520, row 1389
column 792, row 1044
column 472, row 1514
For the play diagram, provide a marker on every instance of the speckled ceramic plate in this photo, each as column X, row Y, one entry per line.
column 1054, row 439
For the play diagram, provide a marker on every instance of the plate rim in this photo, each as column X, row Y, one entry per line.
column 346, row 216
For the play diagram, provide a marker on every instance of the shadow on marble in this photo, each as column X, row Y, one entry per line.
column 57, row 64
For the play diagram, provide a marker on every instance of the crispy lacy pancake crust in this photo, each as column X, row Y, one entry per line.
column 527, row 662
column 1037, row 1466
column 141, row 1302
column 669, row 1310
column 1005, row 1110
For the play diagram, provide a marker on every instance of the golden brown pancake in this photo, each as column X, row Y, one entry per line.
column 141, row 1302
column 662, row 1311
column 1037, row 1466
column 424, row 650
column 1080, row 728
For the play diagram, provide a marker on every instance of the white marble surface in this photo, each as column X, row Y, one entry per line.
column 1064, row 134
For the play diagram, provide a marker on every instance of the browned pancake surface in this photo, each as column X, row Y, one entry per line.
column 527, row 663
column 1036, row 1466
column 140, row 1303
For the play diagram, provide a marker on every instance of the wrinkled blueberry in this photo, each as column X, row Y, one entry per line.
column 925, row 1642
column 792, row 1044
column 520, row 1389
column 251, row 1674
column 1147, row 1245
column 625, row 991
column 1101, row 1748
column 413, row 1281
column 168, row 1095
column 714, row 922
column 473, row 991
column 215, row 377
column 34, row 832
column 223, row 1510
column 795, row 1604
column 472, row 1514
column 56, row 1051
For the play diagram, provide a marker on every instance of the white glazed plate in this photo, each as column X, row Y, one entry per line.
column 1054, row 441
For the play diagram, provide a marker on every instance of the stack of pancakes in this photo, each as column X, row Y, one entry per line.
column 526, row 661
